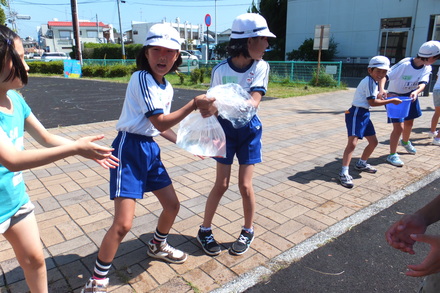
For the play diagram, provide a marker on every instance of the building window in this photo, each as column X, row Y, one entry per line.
column 65, row 35
column 92, row 34
column 434, row 28
column 394, row 37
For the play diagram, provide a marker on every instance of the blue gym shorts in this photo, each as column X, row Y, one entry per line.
column 357, row 120
column 244, row 142
column 414, row 112
column 140, row 169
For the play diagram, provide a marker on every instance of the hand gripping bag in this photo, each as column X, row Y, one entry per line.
column 234, row 103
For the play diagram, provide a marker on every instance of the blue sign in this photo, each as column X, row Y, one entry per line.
column 208, row 20
column 72, row 69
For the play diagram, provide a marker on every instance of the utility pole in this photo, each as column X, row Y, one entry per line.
column 120, row 29
column 75, row 25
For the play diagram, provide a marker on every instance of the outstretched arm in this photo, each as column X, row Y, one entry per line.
column 57, row 148
column 164, row 122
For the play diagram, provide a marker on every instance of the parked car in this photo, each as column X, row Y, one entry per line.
column 188, row 58
column 51, row 56
column 196, row 53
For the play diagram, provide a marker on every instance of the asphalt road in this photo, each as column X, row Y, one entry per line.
column 359, row 260
column 64, row 102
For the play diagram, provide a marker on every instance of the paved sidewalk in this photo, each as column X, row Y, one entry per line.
column 298, row 197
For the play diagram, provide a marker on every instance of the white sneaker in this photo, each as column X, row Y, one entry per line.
column 96, row 286
column 166, row 252
column 436, row 141
column 432, row 134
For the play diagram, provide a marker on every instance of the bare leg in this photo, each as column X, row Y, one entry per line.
column 395, row 136
column 369, row 149
column 124, row 213
column 407, row 128
column 349, row 149
column 170, row 204
column 435, row 118
column 25, row 240
column 220, row 186
column 247, row 193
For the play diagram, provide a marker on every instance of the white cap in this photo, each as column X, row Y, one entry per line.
column 250, row 25
column 429, row 49
column 380, row 62
column 163, row 35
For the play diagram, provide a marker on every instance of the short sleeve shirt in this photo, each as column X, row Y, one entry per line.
column 12, row 188
column 144, row 97
column 404, row 77
column 255, row 77
column 366, row 90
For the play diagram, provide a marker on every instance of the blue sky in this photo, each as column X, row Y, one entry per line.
column 106, row 11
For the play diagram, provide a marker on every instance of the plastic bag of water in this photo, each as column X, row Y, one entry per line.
column 202, row 136
column 233, row 102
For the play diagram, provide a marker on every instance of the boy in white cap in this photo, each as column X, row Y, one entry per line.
column 408, row 78
column 357, row 119
column 146, row 114
column 245, row 66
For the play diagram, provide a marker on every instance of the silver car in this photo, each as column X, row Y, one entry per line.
column 188, row 58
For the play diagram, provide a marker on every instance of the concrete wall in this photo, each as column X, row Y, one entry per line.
column 355, row 24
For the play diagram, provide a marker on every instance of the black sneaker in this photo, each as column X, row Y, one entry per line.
column 242, row 244
column 208, row 243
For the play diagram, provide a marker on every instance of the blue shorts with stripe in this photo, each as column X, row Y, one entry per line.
column 140, row 169
column 357, row 120
column 244, row 142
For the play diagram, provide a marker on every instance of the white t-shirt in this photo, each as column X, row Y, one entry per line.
column 144, row 97
column 366, row 90
column 404, row 77
column 255, row 77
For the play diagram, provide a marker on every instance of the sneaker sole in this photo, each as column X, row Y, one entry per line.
column 207, row 251
column 346, row 185
column 241, row 252
column 371, row 171
column 166, row 259
column 396, row 165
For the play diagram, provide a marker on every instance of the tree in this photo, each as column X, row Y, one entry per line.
column 305, row 52
column 2, row 12
column 275, row 13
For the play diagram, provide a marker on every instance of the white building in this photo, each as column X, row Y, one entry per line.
column 189, row 33
column 362, row 29
column 57, row 36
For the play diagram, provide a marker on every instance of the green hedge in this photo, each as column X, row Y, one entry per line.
column 110, row 51
column 57, row 67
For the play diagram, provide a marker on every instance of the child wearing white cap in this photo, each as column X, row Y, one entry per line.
column 146, row 114
column 408, row 78
column 249, row 40
column 358, row 122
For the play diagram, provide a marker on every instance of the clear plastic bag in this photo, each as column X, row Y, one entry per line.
column 234, row 103
column 202, row 136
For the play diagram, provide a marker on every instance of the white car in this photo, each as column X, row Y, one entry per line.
column 188, row 59
column 51, row 56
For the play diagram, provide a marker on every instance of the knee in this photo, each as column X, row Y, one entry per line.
column 246, row 189
column 172, row 208
column 122, row 228
column 374, row 142
column 34, row 262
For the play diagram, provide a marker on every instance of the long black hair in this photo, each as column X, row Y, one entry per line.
column 7, row 50
column 142, row 61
